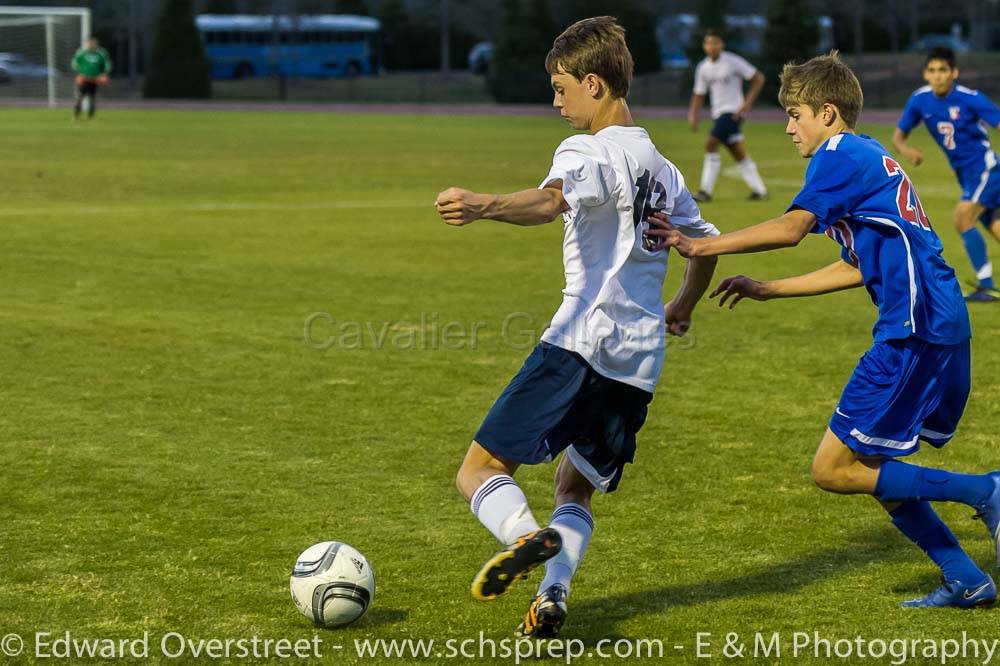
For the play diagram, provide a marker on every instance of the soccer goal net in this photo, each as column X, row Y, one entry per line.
column 36, row 50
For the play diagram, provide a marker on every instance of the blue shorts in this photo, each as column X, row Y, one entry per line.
column 901, row 392
column 727, row 129
column 558, row 402
column 980, row 184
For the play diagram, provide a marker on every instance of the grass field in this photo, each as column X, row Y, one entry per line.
column 170, row 442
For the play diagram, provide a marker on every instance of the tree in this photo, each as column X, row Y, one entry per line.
column 414, row 42
column 791, row 36
column 359, row 7
column 639, row 24
column 178, row 67
column 218, row 7
column 711, row 14
column 517, row 69
column 395, row 34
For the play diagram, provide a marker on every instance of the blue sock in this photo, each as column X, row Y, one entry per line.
column 923, row 527
column 975, row 247
column 902, row 482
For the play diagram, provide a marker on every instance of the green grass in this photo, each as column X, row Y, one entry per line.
column 170, row 442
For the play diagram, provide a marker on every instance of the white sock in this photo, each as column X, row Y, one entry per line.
column 748, row 168
column 575, row 524
column 710, row 171
column 501, row 506
column 986, row 272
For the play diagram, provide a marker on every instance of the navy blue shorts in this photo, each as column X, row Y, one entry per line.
column 901, row 392
column 558, row 402
column 727, row 129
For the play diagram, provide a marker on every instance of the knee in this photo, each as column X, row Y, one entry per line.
column 477, row 467
column 826, row 477
column 964, row 219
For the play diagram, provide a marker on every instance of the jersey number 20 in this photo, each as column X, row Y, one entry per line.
column 910, row 208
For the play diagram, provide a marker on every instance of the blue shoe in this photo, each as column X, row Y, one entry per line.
column 982, row 295
column 988, row 511
column 956, row 594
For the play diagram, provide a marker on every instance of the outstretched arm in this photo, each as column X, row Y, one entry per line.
column 697, row 276
column 694, row 109
column 899, row 138
column 459, row 207
column 836, row 277
column 785, row 231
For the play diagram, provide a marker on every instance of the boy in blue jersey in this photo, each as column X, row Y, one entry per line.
column 957, row 118
column 913, row 383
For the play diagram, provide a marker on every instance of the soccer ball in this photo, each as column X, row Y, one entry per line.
column 332, row 584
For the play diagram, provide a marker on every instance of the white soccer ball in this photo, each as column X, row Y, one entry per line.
column 332, row 584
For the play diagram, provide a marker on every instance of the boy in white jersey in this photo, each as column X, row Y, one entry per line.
column 722, row 74
column 585, row 387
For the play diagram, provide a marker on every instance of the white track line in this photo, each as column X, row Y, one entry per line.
column 207, row 208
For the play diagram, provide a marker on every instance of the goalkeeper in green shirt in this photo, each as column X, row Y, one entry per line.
column 92, row 65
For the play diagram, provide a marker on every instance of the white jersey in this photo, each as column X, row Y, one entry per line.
column 612, row 309
column 723, row 78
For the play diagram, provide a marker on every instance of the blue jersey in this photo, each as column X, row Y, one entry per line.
column 958, row 121
column 863, row 200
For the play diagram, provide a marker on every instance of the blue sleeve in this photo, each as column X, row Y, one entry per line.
column 834, row 185
column 911, row 115
column 986, row 110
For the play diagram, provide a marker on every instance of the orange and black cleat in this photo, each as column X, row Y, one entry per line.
column 515, row 562
column 545, row 615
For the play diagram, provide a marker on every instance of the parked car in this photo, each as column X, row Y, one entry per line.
column 19, row 67
column 928, row 42
column 480, row 56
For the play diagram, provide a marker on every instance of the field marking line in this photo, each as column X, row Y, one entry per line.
column 208, row 208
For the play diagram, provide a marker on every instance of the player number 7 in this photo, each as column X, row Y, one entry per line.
column 947, row 132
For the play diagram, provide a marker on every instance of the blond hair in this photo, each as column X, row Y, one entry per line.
column 825, row 79
column 594, row 46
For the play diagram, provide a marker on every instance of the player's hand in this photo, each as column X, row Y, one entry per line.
column 742, row 113
column 739, row 287
column 693, row 122
column 915, row 156
column 667, row 235
column 102, row 79
column 678, row 320
column 459, row 207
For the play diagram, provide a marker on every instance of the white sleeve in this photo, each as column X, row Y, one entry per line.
column 683, row 209
column 587, row 178
column 700, row 85
column 687, row 218
column 743, row 68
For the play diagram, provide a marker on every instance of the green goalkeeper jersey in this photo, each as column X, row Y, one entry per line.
column 91, row 63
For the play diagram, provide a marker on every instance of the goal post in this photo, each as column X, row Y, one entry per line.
column 36, row 47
